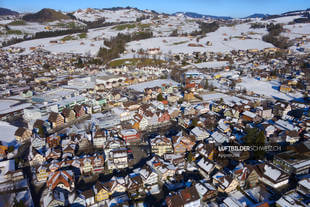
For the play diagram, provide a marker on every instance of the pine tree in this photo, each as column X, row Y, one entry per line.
column 160, row 97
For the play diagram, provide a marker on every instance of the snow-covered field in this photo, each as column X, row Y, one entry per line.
column 33, row 27
column 223, row 40
column 89, row 45
column 6, row 21
column 141, row 86
column 283, row 20
column 165, row 25
column 122, row 15
column 29, row 28
column 226, row 98
column 266, row 88
column 302, row 29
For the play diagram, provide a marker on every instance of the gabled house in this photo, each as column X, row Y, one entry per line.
column 113, row 143
column 53, row 141
column 3, row 151
column 99, row 139
column 35, row 158
column 148, row 175
column 246, row 175
column 88, row 196
column 182, row 144
column 224, row 183
column 101, row 192
column 141, row 122
column 37, row 142
column 271, row 175
column 41, row 127
column 22, row 134
column 199, row 133
column 161, row 145
column 118, row 185
column 42, row 173
column 291, row 136
column 281, row 109
column 68, row 114
column 303, row 186
column 117, row 158
column 135, row 188
column 54, row 198
column 78, row 201
column 130, row 135
column 264, row 112
column 187, row 197
column 70, row 149
column 174, row 112
column 152, row 118
column 250, row 116
column 163, row 117
column 53, row 154
column 98, row 164
column 206, row 191
column 206, row 167
column 87, row 165
column 206, row 150
column 56, row 119
column 223, row 127
column 79, row 110
column 61, row 179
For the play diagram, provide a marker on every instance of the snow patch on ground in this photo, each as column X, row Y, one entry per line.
column 266, row 88
column 7, row 133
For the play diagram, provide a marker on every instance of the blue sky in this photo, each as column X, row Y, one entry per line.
column 233, row 8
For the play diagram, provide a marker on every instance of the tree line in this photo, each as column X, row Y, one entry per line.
column 274, row 36
column 117, row 44
column 206, row 28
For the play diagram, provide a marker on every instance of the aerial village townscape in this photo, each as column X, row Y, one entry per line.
column 135, row 107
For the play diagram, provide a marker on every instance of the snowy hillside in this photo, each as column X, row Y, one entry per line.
column 120, row 15
column 237, row 36
column 223, row 40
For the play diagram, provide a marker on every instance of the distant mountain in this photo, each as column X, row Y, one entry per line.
column 45, row 15
column 201, row 16
column 257, row 16
column 4, row 12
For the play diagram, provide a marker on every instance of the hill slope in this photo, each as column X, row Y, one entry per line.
column 45, row 15
column 4, row 11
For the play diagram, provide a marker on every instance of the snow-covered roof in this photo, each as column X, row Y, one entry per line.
column 219, row 137
column 305, row 183
column 249, row 114
column 150, row 84
column 6, row 166
column 197, row 131
column 205, row 164
column 272, row 172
